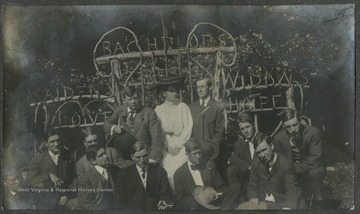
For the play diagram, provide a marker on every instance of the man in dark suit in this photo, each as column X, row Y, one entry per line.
column 244, row 152
column 303, row 144
column 52, row 169
column 92, row 137
column 143, row 186
column 15, row 196
column 138, row 121
column 95, row 186
column 273, row 182
column 199, row 171
column 208, row 114
column 209, row 120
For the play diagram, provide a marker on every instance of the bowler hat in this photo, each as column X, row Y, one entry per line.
column 206, row 197
column 210, row 149
column 122, row 143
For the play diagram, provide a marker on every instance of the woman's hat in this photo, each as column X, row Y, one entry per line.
column 206, row 197
column 175, row 81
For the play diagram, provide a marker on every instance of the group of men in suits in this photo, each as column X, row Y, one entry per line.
column 298, row 171
column 262, row 170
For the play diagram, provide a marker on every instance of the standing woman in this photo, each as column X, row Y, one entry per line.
column 176, row 122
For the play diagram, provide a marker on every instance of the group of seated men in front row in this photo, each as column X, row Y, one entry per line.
column 173, row 166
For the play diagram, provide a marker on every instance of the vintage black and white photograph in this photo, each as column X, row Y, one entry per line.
column 178, row 107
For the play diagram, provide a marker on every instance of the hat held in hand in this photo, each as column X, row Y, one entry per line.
column 206, row 197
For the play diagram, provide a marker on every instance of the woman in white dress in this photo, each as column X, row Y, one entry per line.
column 176, row 122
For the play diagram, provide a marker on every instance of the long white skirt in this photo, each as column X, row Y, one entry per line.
column 172, row 163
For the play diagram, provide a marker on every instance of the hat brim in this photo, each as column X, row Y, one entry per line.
column 196, row 192
column 214, row 147
column 169, row 81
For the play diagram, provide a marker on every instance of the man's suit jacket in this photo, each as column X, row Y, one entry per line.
column 310, row 148
column 97, row 199
column 42, row 165
column 241, row 157
column 131, row 194
column 208, row 124
column 281, row 182
column 114, row 159
column 184, row 182
column 146, row 128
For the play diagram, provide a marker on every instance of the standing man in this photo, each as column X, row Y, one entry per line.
column 208, row 114
column 273, row 183
column 50, row 170
column 198, row 171
column 137, row 121
column 143, row 186
column 95, row 186
column 244, row 152
column 91, row 139
column 209, row 120
column 303, row 144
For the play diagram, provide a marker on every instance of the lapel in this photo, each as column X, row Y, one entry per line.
column 138, row 119
column 246, row 150
column 206, row 176
column 151, row 177
column 135, row 178
column 122, row 118
column 188, row 179
column 50, row 163
column 207, row 108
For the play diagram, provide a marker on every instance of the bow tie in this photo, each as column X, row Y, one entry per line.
column 194, row 167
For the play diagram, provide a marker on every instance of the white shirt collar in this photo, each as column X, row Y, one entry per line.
column 129, row 110
column 206, row 100
column 100, row 169
column 54, row 157
column 140, row 169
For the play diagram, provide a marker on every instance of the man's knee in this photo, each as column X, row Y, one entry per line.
column 317, row 173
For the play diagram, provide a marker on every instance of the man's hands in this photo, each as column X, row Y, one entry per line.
column 118, row 129
column 63, row 200
column 174, row 150
column 162, row 205
column 56, row 180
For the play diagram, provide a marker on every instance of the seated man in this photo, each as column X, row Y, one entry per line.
column 95, row 186
column 49, row 170
column 273, row 183
column 91, row 137
column 244, row 153
column 15, row 196
column 197, row 171
column 303, row 144
column 143, row 186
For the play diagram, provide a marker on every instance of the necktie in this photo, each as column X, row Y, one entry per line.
column 203, row 105
column 56, row 159
column 131, row 115
column 143, row 171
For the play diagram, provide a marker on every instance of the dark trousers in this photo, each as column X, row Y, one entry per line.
column 230, row 197
column 311, row 183
column 235, row 175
